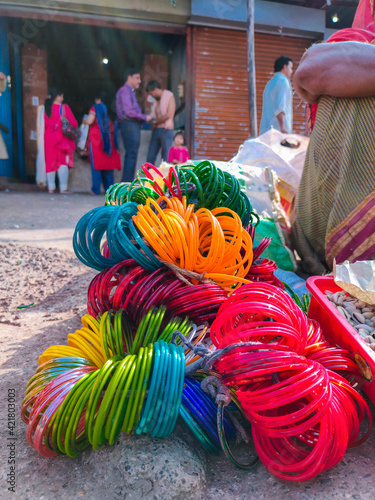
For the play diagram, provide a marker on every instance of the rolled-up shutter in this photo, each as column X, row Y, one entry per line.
column 221, row 120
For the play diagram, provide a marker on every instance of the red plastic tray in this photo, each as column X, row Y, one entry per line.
column 338, row 331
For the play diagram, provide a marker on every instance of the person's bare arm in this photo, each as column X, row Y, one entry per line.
column 343, row 69
column 3, row 84
column 90, row 119
column 280, row 118
column 171, row 108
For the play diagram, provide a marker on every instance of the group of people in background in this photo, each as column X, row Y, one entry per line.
column 57, row 125
column 56, row 145
column 131, row 119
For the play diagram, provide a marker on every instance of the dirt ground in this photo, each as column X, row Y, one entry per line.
column 37, row 265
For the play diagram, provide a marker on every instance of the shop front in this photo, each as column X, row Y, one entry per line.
column 219, row 81
column 196, row 49
column 82, row 49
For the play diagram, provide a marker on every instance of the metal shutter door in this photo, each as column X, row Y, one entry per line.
column 221, row 120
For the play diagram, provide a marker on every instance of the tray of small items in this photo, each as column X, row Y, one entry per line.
column 346, row 322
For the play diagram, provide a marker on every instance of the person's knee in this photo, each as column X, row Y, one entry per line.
column 132, row 153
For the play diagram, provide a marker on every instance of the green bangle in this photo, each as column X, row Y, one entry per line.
column 104, row 373
column 143, row 387
column 135, row 392
column 141, row 331
column 106, row 404
column 118, row 410
column 73, row 444
column 133, row 388
column 152, row 332
column 224, row 443
column 56, row 439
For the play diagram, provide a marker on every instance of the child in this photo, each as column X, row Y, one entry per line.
column 178, row 152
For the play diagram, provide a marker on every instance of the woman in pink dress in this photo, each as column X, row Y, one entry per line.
column 58, row 148
column 103, row 146
column 178, row 152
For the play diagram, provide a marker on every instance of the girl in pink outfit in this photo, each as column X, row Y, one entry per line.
column 178, row 152
column 58, row 148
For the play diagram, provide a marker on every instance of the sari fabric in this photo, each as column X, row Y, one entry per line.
column 335, row 216
column 101, row 144
column 102, row 119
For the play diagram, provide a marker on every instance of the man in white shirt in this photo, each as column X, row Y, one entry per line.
column 163, row 110
column 277, row 99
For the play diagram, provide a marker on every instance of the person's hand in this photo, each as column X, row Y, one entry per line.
column 149, row 118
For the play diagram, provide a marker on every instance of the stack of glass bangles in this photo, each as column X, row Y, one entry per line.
column 212, row 244
column 121, row 370
column 127, row 285
column 78, row 413
column 112, row 377
column 304, row 416
column 199, row 413
column 107, row 379
column 204, row 185
column 263, row 270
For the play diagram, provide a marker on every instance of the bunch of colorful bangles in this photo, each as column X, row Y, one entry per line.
column 182, row 322
column 204, row 186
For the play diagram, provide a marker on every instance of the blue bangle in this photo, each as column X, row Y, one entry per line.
column 169, row 393
column 175, row 400
column 88, row 235
column 203, row 420
column 198, row 433
column 168, row 390
column 204, row 415
column 203, row 411
column 113, row 426
column 152, row 389
column 205, row 440
column 163, row 370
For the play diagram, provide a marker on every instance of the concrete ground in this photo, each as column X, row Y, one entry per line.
column 38, row 221
column 43, row 220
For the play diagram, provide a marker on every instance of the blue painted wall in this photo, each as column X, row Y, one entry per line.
column 6, row 166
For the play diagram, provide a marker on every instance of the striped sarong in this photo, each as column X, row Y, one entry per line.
column 335, row 215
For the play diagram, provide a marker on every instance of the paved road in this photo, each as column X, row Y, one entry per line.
column 41, row 219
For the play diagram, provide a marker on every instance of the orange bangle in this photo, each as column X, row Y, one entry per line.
column 209, row 242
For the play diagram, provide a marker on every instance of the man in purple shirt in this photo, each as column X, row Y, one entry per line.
column 131, row 118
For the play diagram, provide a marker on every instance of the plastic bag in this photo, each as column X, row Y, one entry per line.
column 358, row 279
column 287, row 162
column 277, row 250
